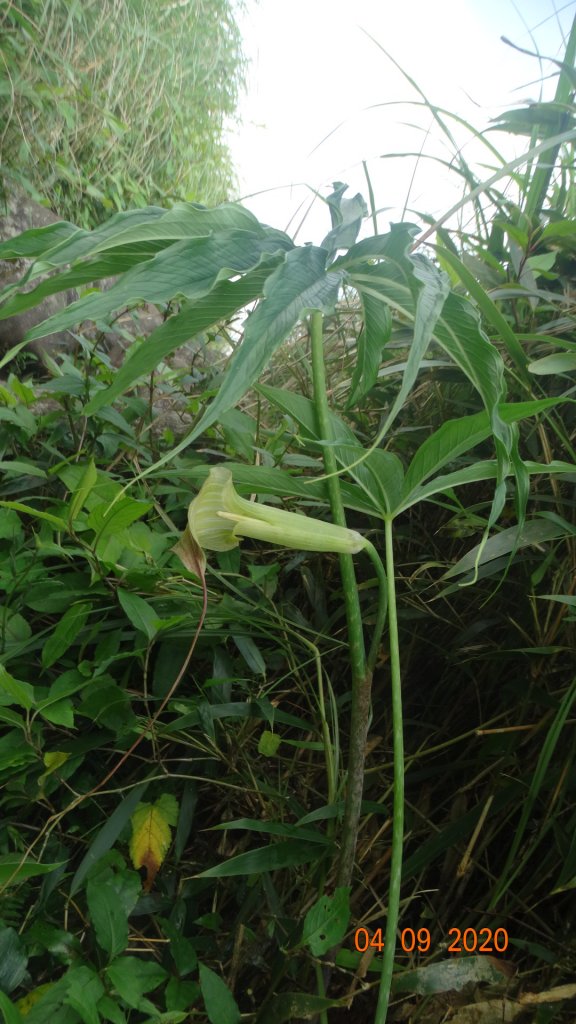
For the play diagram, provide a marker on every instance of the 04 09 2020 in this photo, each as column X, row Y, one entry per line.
column 467, row 940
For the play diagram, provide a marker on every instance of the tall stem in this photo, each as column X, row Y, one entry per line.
column 361, row 674
column 398, row 808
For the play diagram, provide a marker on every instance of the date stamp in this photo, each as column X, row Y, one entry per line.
column 469, row 940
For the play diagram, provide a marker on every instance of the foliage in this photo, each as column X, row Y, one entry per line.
column 217, row 715
column 106, row 105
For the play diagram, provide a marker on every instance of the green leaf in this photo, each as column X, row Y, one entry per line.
column 219, row 1002
column 19, row 692
column 370, row 346
column 13, row 870
column 380, row 475
column 267, row 858
column 273, row 828
column 222, row 302
column 560, row 362
column 108, row 518
column 46, row 517
column 533, row 531
column 84, row 489
column 13, row 960
column 71, row 624
column 268, row 743
column 133, row 977
column 83, row 990
column 293, row 1006
column 326, row 922
column 251, row 654
column 110, row 901
column 300, row 284
column 108, row 834
column 140, row 612
column 190, row 267
column 10, row 1014
column 108, row 1009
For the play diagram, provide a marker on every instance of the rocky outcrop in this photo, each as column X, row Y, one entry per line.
column 18, row 212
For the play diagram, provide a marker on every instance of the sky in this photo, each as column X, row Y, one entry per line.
column 323, row 97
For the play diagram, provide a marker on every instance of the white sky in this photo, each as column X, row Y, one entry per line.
column 315, row 73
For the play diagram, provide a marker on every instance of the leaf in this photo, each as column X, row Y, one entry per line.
column 220, row 1004
column 450, row 975
column 370, row 345
column 191, row 554
column 326, row 922
column 83, row 990
column 560, row 362
column 13, row 870
column 140, row 612
column 251, row 654
column 151, row 836
column 107, row 835
column 300, row 284
column 47, row 517
column 71, row 624
column 267, row 858
column 190, row 267
column 534, row 531
column 293, row 1006
column 268, row 743
column 273, row 828
column 19, row 692
column 380, row 475
column 110, row 517
column 53, row 760
column 26, row 1003
column 13, row 960
column 222, row 302
column 133, row 977
column 110, row 901
column 10, row 1014
column 84, row 489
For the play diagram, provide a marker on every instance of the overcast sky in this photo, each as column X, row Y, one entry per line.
column 323, row 96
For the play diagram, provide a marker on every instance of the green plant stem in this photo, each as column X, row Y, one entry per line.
column 398, row 807
column 361, row 675
column 382, row 608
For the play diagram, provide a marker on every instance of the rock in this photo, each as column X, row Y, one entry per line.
column 19, row 213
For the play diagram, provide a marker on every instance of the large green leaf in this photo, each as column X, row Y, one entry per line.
column 267, row 858
column 300, row 284
column 10, row 1014
column 83, row 990
column 326, row 922
column 219, row 1002
column 455, row 437
column 222, row 302
column 190, row 267
column 133, row 977
column 110, row 901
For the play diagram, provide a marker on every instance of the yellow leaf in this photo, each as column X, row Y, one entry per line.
column 26, row 1003
column 151, row 835
column 53, row 761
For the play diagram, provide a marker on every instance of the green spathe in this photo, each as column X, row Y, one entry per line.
column 219, row 518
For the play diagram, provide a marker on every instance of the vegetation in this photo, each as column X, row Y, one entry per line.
column 107, row 104
column 208, row 812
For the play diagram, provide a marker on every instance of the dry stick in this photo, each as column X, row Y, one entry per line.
column 55, row 818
